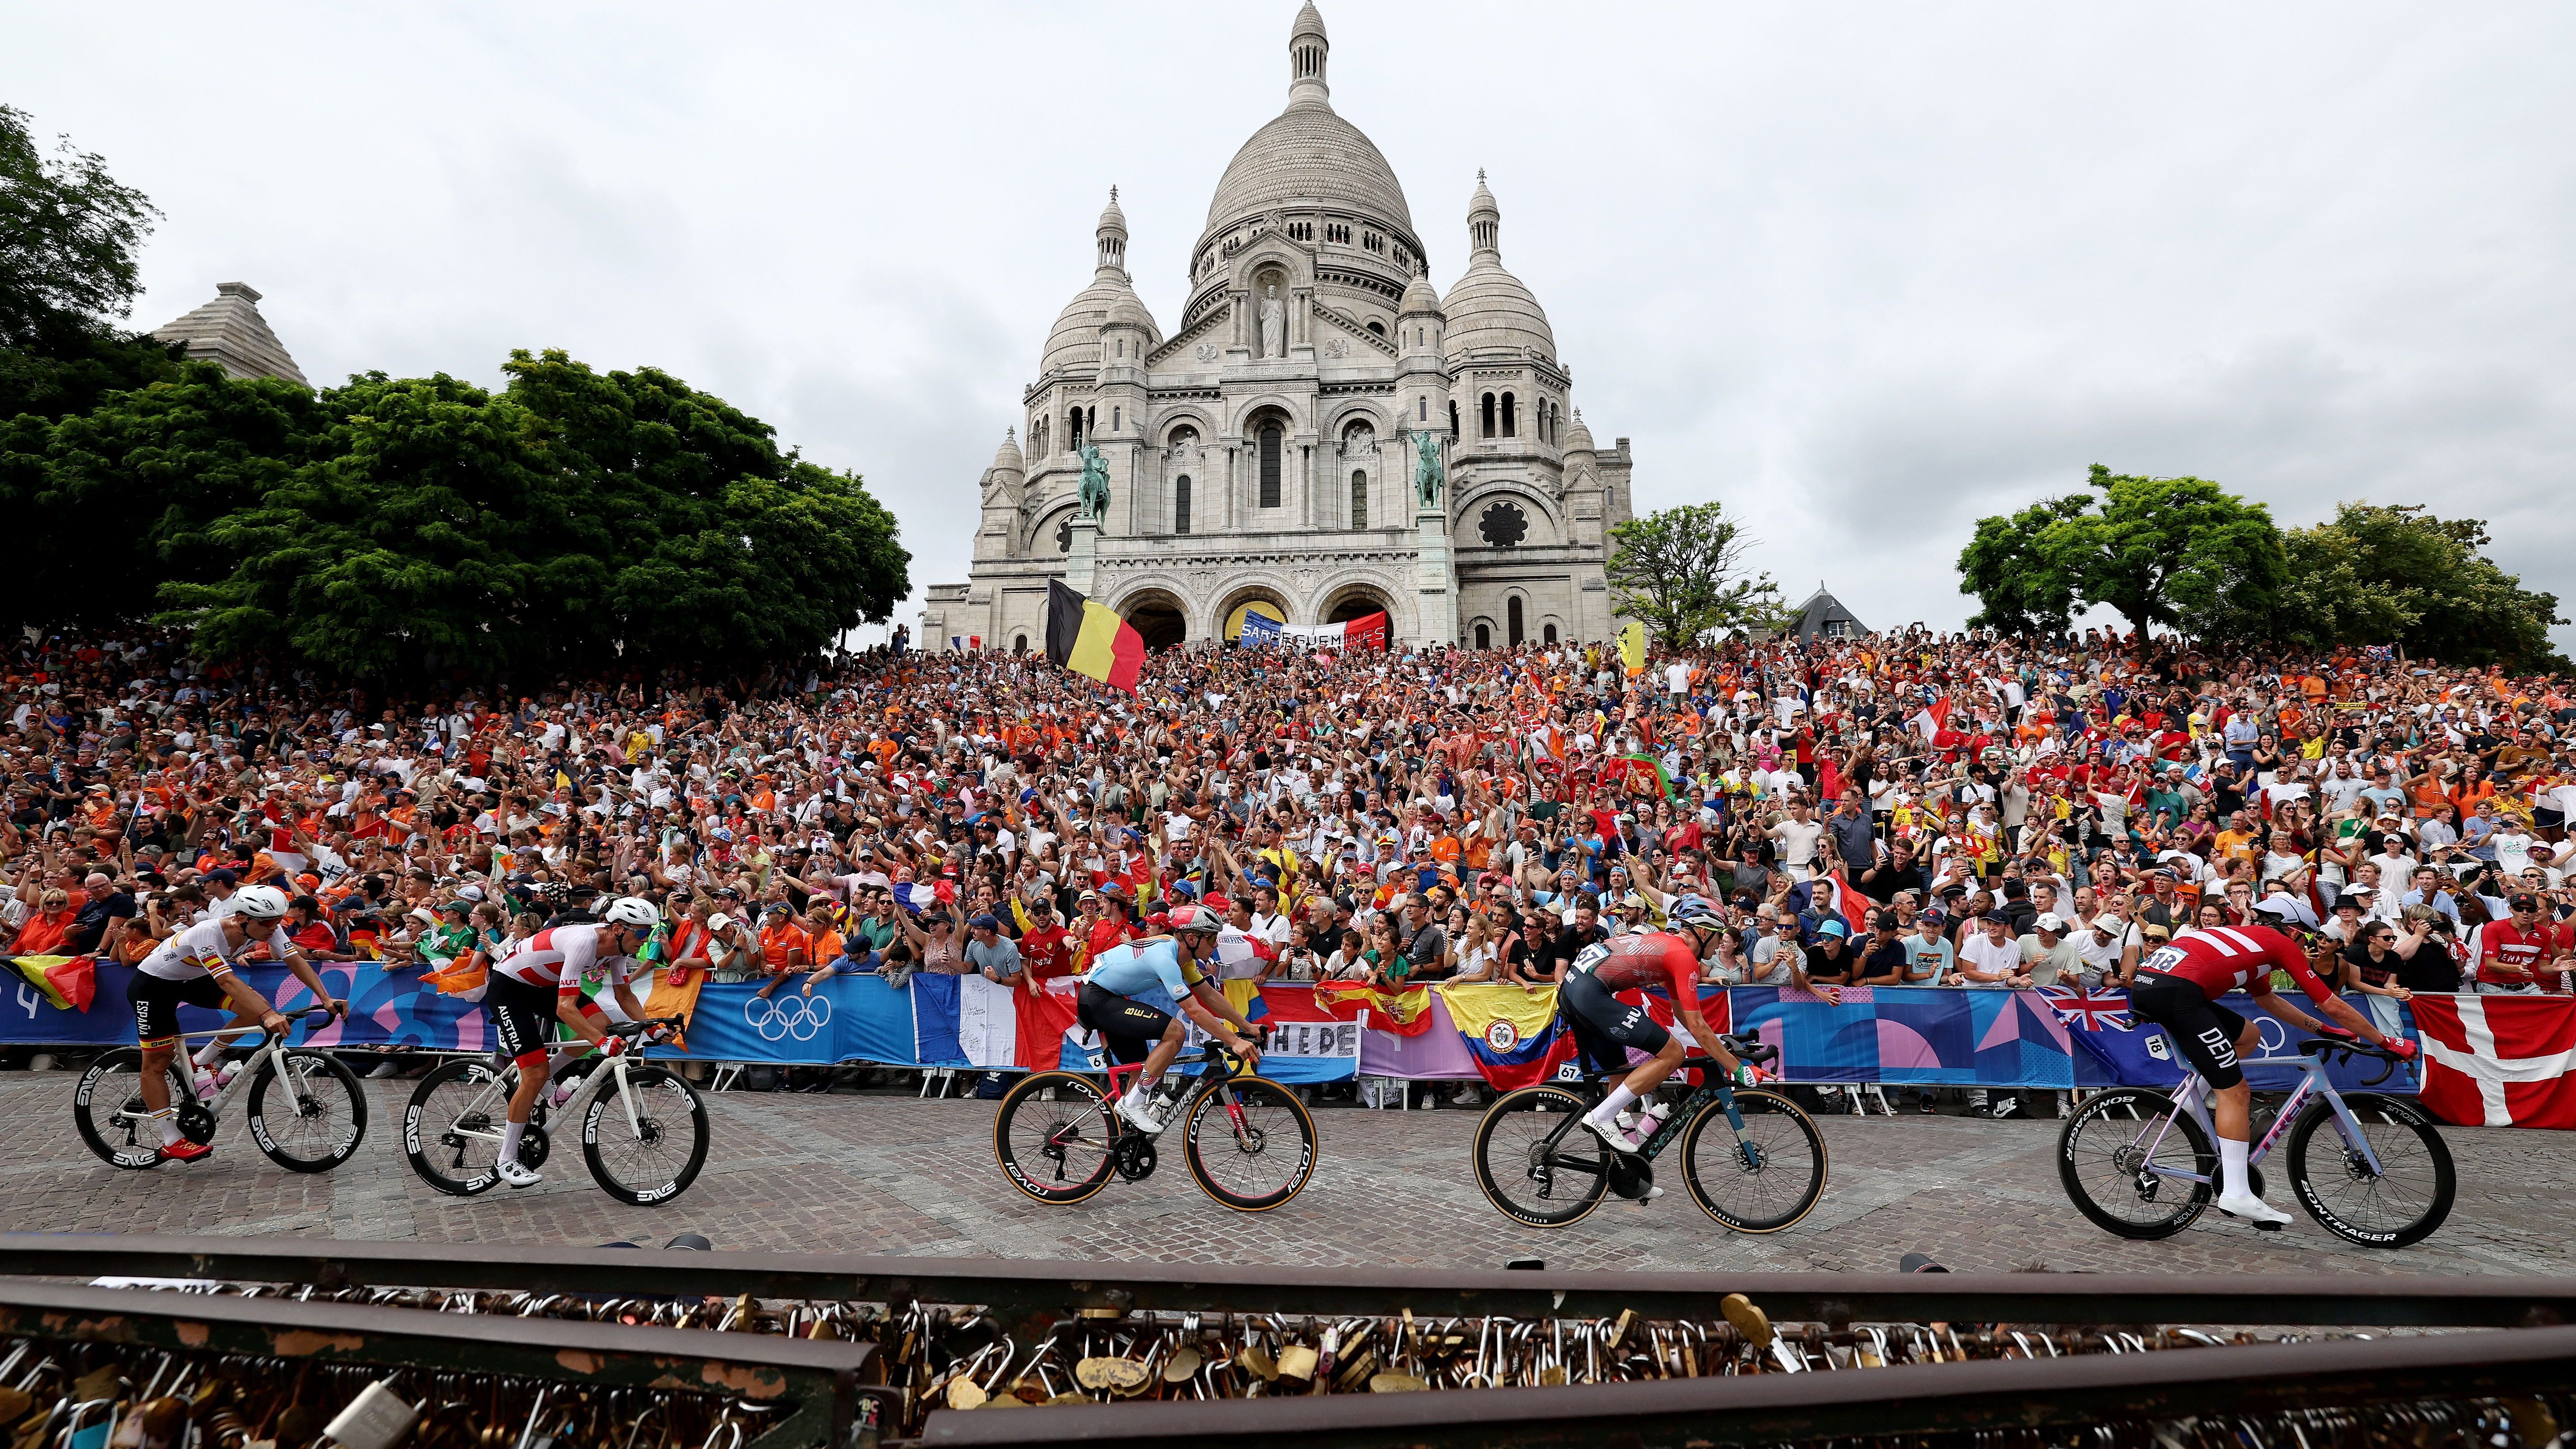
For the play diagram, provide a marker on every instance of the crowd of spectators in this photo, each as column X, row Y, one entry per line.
column 1911, row 809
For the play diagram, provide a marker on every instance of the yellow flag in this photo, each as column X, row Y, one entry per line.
column 1632, row 647
column 562, row 780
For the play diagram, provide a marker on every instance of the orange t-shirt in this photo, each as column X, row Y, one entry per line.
column 778, row 943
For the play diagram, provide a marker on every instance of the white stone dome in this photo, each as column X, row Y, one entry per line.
column 1074, row 341
column 1006, row 458
column 1309, row 156
column 1578, row 438
column 1419, row 299
column 1489, row 308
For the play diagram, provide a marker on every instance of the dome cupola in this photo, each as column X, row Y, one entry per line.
column 1489, row 309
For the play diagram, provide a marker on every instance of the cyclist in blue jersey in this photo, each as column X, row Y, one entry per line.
column 1135, row 1031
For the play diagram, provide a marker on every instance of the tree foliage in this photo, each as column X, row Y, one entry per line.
column 573, row 518
column 2380, row 574
column 2181, row 552
column 68, row 234
column 1679, row 571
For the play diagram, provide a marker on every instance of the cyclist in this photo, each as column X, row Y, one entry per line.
column 1663, row 961
column 540, row 984
column 195, row 967
column 1134, row 1031
column 2177, row 988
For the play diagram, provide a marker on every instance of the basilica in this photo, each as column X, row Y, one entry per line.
column 1320, row 436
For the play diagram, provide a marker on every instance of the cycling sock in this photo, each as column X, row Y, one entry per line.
column 168, row 1121
column 1611, row 1106
column 2231, row 1168
column 511, row 1132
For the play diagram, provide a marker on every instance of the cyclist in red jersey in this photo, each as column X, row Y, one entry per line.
column 2177, row 988
column 1662, row 961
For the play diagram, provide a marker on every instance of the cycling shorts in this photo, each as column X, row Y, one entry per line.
column 1129, row 1027
column 2202, row 1030
column 523, row 1016
column 1603, row 1024
column 157, row 1000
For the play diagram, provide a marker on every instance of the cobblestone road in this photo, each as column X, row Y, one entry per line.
column 871, row 1173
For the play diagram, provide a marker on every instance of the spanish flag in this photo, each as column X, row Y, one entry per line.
column 1088, row 638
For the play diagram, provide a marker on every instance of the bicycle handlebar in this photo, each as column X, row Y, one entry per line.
column 2344, row 1047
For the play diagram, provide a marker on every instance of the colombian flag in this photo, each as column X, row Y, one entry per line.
column 1512, row 1033
column 1089, row 639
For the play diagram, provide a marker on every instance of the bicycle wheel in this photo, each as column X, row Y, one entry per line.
column 321, row 1114
column 653, row 1154
column 1055, row 1148
column 1536, row 1166
column 2400, row 1203
column 1767, row 1179
column 1257, row 1153
column 452, row 1126
column 107, row 1108
column 2106, row 1153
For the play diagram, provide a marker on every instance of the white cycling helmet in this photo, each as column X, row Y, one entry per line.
column 632, row 911
column 259, row 903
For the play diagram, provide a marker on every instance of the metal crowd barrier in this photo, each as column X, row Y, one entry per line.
column 1145, row 1353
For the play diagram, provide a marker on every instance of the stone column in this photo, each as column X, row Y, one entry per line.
column 1435, row 575
column 1082, row 560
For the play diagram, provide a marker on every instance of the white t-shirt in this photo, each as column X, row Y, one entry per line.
column 1980, row 952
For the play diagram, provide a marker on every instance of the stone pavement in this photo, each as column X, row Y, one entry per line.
column 881, row 1173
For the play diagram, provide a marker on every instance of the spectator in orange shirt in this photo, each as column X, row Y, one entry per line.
column 44, row 932
column 785, row 949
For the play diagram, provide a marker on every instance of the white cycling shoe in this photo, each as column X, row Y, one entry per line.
column 1610, row 1135
column 1140, row 1115
column 2256, row 1211
column 518, row 1176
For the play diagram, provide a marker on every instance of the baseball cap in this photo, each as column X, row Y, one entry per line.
column 985, row 923
column 2051, row 922
column 2524, row 901
column 1996, row 918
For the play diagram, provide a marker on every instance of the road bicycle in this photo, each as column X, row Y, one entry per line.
column 305, row 1109
column 1752, row 1158
column 1248, row 1141
column 2371, row 1169
column 643, row 1128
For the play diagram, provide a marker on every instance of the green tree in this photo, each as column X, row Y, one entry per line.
column 2181, row 552
column 68, row 234
column 1679, row 571
column 2021, row 590
column 2381, row 574
column 571, row 518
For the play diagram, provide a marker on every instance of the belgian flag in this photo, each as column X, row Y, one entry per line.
column 1088, row 638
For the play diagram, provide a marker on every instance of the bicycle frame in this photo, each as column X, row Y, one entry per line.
column 2192, row 1094
column 273, row 1048
column 494, row 1100
column 1068, row 1134
column 1714, row 1089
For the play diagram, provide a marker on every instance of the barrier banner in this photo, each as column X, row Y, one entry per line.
column 1910, row 1035
column 1303, row 1042
column 2113, row 1048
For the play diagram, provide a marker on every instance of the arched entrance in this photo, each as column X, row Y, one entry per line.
column 1354, row 601
column 1246, row 602
column 1159, row 618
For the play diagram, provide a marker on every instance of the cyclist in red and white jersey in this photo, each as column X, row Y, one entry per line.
column 540, row 984
column 2177, row 988
column 1659, row 961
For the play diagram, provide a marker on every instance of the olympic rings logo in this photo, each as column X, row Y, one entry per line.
column 797, row 1016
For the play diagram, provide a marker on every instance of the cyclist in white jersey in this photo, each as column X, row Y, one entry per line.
column 195, row 968
column 540, row 984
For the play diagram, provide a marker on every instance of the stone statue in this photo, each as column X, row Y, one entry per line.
column 1095, row 483
column 1427, row 476
column 1273, row 324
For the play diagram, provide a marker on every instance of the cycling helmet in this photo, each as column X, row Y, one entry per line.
column 632, row 911
column 1698, row 914
column 1592, row 956
column 2281, row 914
column 259, row 903
column 1198, row 919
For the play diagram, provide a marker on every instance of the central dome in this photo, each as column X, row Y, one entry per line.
column 1309, row 156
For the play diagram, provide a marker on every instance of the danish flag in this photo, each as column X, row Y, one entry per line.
column 2498, row 1061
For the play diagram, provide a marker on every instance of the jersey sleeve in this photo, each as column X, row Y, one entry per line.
column 2286, row 956
column 1681, row 974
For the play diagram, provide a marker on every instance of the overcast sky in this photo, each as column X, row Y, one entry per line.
column 1862, row 272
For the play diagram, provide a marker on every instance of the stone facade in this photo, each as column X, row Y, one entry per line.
column 1264, row 449
column 230, row 331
